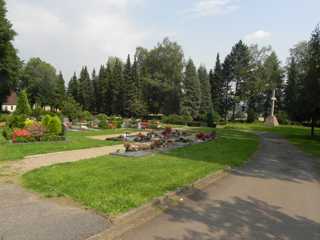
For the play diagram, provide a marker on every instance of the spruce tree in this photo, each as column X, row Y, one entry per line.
column 130, row 90
column 217, row 85
column 206, row 99
column 103, row 90
column 292, row 92
column 10, row 64
column 311, row 87
column 240, row 57
column 95, row 85
column 191, row 91
column 85, row 90
column 60, row 91
column 73, row 88
column 23, row 106
column 227, row 74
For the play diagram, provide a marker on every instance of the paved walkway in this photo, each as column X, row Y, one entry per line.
column 26, row 216
column 37, row 161
column 275, row 197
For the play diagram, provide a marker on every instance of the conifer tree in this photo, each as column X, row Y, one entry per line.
column 240, row 59
column 23, row 106
column 10, row 64
column 191, row 91
column 129, row 90
column 311, row 86
column 292, row 92
column 103, row 90
column 73, row 88
column 85, row 89
column 217, row 85
column 60, row 91
column 227, row 73
column 95, row 85
column 206, row 99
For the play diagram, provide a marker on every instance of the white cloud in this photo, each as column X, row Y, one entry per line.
column 73, row 33
column 204, row 8
column 257, row 36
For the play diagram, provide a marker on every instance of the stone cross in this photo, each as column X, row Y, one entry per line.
column 274, row 99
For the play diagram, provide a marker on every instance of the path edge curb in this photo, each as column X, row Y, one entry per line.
column 136, row 217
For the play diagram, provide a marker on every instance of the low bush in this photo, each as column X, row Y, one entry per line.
column 252, row 116
column 102, row 121
column 283, row 118
column 194, row 124
column 7, row 133
column 16, row 121
column 55, row 126
column 177, row 119
column 4, row 117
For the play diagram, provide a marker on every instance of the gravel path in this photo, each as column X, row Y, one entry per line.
column 275, row 197
column 37, row 161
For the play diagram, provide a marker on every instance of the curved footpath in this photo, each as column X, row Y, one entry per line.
column 275, row 197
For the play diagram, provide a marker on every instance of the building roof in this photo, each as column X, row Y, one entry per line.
column 12, row 99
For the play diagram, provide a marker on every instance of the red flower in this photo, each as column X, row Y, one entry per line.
column 23, row 133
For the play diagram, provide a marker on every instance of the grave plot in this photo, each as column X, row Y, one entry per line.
column 143, row 144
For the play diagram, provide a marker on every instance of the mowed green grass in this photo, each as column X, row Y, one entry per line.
column 297, row 135
column 113, row 185
column 75, row 140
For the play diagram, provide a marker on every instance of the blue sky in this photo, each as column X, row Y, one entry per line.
column 73, row 33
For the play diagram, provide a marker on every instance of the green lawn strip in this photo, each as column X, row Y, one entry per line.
column 74, row 141
column 113, row 185
column 297, row 135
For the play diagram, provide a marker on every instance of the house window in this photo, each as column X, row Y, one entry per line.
column 11, row 108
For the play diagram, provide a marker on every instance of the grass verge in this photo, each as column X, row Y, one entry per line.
column 297, row 135
column 113, row 185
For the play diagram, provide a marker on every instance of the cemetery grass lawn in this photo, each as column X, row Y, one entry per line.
column 74, row 141
column 297, row 135
column 113, row 185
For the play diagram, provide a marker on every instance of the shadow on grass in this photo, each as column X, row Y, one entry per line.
column 241, row 219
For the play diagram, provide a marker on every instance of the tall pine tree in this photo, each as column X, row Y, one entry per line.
column 130, row 90
column 85, row 90
column 73, row 88
column 191, row 91
column 217, row 86
column 206, row 99
column 60, row 91
column 311, row 87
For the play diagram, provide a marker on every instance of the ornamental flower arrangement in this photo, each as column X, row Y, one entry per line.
column 21, row 135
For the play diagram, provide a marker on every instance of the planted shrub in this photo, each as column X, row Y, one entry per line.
column 283, row 118
column 54, row 127
column 252, row 116
column 46, row 120
column 177, row 119
column 16, row 121
column 210, row 120
column 36, row 130
column 102, row 121
column 7, row 133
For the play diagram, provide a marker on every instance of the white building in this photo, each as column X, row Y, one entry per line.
column 10, row 104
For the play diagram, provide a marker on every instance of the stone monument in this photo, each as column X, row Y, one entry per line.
column 272, row 119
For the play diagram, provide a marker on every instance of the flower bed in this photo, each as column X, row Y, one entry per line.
column 20, row 130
